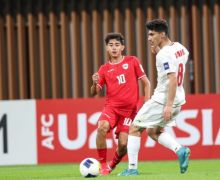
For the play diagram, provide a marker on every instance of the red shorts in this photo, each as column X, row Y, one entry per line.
column 119, row 118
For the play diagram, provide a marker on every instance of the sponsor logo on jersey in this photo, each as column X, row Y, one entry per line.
column 110, row 70
column 125, row 66
column 166, row 65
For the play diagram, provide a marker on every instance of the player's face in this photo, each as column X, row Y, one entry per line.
column 155, row 38
column 114, row 48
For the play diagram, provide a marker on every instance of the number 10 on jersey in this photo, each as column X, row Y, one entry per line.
column 121, row 79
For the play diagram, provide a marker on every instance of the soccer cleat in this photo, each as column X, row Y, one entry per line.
column 183, row 156
column 112, row 165
column 105, row 170
column 129, row 172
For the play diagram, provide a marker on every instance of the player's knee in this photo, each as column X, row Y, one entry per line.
column 123, row 144
column 102, row 130
column 152, row 134
column 133, row 130
column 103, row 127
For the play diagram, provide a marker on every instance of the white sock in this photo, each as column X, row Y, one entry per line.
column 133, row 149
column 169, row 142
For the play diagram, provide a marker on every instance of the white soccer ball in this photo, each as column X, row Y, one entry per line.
column 89, row 167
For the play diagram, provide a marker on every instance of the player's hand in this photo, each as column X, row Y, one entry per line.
column 95, row 78
column 167, row 113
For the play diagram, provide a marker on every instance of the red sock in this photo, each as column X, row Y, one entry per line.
column 116, row 159
column 102, row 153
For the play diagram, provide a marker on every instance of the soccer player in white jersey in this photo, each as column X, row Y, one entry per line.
column 165, row 104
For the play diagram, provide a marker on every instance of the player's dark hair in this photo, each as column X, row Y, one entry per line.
column 158, row 25
column 114, row 35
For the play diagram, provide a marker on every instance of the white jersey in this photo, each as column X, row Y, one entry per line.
column 171, row 58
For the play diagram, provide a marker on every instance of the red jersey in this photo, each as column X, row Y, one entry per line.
column 121, row 80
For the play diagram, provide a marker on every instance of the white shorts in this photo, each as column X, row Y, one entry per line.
column 151, row 115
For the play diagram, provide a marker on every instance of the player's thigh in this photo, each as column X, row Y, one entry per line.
column 123, row 124
column 135, row 131
column 155, row 131
column 149, row 115
column 108, row 118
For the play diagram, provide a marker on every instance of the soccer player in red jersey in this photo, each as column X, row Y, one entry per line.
column 120, row 75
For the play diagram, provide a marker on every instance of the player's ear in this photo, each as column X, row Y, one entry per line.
column 163, row 35
column 122, row 48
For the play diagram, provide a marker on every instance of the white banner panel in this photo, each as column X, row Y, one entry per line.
column 18, row 143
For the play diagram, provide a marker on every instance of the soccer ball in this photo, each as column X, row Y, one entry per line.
column 89, row 167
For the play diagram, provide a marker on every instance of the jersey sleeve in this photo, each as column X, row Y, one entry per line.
column 101, row 73
column 138, row 68
column 167, row 62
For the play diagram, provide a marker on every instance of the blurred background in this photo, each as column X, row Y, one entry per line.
column 50, row 48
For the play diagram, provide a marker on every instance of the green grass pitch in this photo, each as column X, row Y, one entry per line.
column 152, row 170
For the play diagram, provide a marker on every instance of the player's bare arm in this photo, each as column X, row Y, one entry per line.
column 94, row 88
column 170, row 96
column 146, row 84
